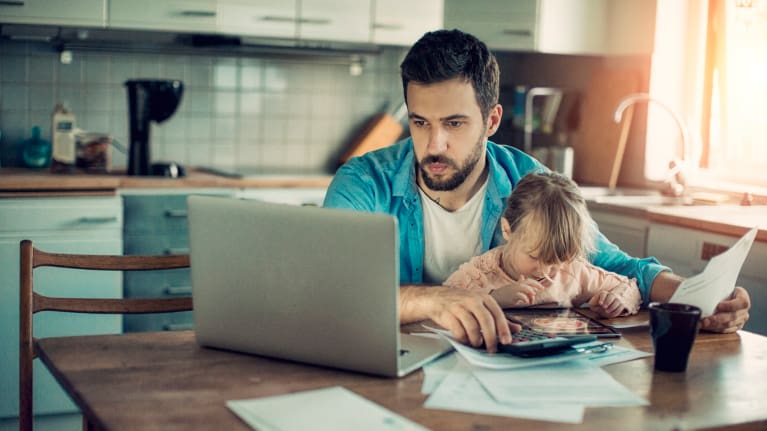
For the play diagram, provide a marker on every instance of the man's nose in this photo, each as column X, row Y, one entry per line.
column 437, row 141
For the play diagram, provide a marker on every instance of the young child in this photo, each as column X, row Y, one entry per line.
column 549, row 234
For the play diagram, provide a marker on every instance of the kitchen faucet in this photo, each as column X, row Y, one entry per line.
column 676, row 181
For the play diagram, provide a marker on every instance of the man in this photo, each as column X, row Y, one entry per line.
column 447, row 185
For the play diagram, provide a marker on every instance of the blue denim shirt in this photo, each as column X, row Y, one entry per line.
column 384, row 181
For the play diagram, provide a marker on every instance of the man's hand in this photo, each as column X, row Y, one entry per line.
column 730, row 314
column 473, row 318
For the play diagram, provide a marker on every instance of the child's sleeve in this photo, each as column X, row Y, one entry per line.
column 469, row 276
column 595, row 280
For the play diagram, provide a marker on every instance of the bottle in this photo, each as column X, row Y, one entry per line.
column 35, row 151
column 63, row 135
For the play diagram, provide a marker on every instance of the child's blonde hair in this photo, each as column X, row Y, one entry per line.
column 548, row 208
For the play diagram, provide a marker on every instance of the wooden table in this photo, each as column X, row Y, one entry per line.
column 164, row 381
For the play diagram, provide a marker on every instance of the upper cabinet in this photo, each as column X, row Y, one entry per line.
column 177, row 15
column 91, row 13
column 267, row 18
column 402, row 22
column 597, row 27
column 321, row 20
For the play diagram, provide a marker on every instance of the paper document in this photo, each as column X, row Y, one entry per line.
column 333, row 408
column 716, row 282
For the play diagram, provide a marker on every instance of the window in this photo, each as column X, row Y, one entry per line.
column 710, row 64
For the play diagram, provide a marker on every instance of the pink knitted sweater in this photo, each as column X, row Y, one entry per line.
column 572, row 286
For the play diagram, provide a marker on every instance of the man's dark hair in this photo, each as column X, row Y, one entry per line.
column 446, row 54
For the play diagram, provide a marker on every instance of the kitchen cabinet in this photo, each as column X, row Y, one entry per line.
column 596, row 27
column 402, row 22
column 67, row 225
column 194, row 16
column 314, row 20
column 627, row 232
column 90, row 13
column 687, row 252
column 156, row 223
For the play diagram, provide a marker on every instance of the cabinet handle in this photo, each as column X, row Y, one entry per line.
column 176, row 213
column 517, row 32
column 177, row 326
column 107, row 219
column 388, row 26
column 11, row 2
column 315, row 21
column 178, row 290
column 278, row 18
column 178, row 250
column 197, row 13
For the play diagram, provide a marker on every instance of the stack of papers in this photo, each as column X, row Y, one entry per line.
column 555, row 388
column 330, row 409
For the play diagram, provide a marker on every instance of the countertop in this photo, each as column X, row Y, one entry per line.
column 727, row 219
column 17, row 182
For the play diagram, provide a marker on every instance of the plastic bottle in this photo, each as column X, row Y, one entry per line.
column 36, row 152
column 63, row 134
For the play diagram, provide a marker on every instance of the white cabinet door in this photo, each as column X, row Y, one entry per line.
column 312, row 196
column 71, row 225
column 598, row 27
column 627, row 232
column 402, row 22
column 501, row 24
column 334, row 20
column 168, row 15
column 72, row 12
column 265, row 18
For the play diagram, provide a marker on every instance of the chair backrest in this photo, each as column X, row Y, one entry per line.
column 32, row 302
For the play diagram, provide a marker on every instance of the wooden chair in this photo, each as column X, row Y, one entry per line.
column 31, row 302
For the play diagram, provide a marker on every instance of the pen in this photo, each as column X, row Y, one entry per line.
column 594, row 348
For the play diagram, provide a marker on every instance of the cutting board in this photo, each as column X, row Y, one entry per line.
column 597, row 141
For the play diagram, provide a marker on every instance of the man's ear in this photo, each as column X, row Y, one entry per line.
column 494, row 119
column 505, row 229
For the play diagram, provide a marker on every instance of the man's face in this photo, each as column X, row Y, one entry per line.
column 449, row 134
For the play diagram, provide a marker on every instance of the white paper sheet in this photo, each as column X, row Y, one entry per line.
column 566, row 383
column 436, row 371
column 461, row 391
column 716, row 282
column 328, row 409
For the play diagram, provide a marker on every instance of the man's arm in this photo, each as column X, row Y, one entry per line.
column 473, row 318
column 730, row 314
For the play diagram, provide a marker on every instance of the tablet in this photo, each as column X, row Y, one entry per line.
column 560, row 321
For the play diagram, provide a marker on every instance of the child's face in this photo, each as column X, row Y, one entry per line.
column 521, row 259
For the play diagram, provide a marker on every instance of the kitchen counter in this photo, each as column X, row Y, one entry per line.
column 727, row 219
column 17, row 182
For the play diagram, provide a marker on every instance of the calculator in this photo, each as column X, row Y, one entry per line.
column 532, row 343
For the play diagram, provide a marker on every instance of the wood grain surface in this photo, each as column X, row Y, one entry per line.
column 597, row 142
column 166, row 381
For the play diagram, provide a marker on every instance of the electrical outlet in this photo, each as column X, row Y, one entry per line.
column 710, row 250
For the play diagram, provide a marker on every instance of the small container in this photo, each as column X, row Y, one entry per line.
column 36, row 151
column 63, row 135
column 93, row 152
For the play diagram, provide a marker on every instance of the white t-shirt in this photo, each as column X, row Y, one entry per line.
column 450, row 237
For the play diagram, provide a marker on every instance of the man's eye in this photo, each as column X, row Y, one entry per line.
column 419, row 123
column 455, row 124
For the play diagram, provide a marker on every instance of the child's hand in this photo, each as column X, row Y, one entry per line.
column 518, row 293
column 607, row 304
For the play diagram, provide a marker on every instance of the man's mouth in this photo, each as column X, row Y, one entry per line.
column 437, row 168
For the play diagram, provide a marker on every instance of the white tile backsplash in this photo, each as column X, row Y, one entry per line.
column 246, row 111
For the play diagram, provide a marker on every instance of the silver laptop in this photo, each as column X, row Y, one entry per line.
column 307, row 284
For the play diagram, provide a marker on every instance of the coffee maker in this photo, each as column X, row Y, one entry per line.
column 148, row 100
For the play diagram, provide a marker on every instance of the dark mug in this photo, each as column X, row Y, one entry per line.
column 673, row 328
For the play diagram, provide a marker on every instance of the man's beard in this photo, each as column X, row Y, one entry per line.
column 450, row 183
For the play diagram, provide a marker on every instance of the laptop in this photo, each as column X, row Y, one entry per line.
column 307, row 284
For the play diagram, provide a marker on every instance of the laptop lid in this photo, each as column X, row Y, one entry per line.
column 308, row 284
